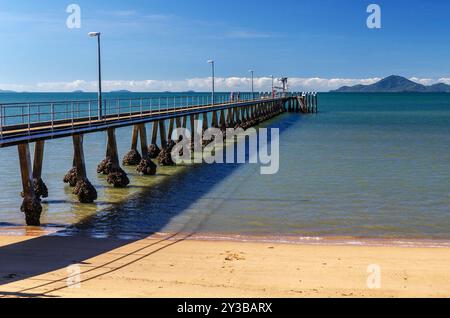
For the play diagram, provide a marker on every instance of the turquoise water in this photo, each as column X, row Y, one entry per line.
column 374, row 165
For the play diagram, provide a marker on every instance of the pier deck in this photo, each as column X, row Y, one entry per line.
column 11, row 135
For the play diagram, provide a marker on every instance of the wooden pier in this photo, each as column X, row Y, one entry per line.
column 20, row 128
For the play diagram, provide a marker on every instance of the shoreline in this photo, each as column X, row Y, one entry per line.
column 179, row 267
column 406, row 242
column 326, row 241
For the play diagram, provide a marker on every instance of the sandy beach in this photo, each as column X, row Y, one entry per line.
column 178, row 267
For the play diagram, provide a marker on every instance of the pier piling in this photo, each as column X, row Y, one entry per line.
column 214, row 122
column 153, row 149
column 178, row 122
column 83, row 189
column 111, row 166
column 162, row 134
column 31, row 204
column 40, row 188
column 165, row 156
column 171, row 128
column 222, row 119
column 146, row 166
column 133, row 158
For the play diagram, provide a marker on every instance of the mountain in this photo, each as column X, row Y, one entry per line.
column 121, row 91
column 3, row 91
column 395, row 84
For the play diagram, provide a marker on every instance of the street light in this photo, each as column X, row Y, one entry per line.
column 93, row 35
column 253, row 91
column 272, row 86
column 213, row 71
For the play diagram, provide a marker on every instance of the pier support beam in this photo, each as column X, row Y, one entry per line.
column 83, row 189
column 205, row 126
column 153, row 149
column 214, row 123
column 178, row 122
column 162, row 134
column 179, row 125
column 230, row 117
column 223, row 124
column 237, row 117
column 171, row 128
column 308, row 97
column 165, row 156
column 146, row 165
column 205, row 122
column 110, row 166
column 31, row 204
column 303, row 108
column 133, row 158
column 40, row 188
column 315, row 103
column 193, row 128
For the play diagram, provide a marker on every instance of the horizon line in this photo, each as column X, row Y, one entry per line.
column 198, row 84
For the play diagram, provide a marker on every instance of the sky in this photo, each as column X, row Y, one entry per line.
column 159, row 45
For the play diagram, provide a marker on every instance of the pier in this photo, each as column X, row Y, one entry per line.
column 25, row 123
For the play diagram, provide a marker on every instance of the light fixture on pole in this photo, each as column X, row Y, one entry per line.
column 100, row 103
column 272, row 86
column 213, row 75
column 253, row 90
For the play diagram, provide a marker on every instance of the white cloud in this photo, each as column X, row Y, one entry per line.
column 445, row 80
column 424, row 81
column 204, row 84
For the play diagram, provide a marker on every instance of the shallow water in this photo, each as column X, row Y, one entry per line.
column 372, row 166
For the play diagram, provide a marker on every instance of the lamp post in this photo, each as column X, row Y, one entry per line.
column 213, row 71
column 100, row 103
column 253, row 91
column 272, row 87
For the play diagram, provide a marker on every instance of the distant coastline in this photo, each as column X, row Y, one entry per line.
column 395, row 84
column 390, row 84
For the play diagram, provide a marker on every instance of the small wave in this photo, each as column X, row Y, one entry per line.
column 316, row 240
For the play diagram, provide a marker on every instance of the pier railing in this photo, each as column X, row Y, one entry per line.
column 27, row 115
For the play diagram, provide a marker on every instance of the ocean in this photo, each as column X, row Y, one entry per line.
column 367, row 166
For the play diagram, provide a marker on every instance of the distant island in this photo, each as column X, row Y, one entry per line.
column 3, row 91
column 395, row 84
column 121, row 91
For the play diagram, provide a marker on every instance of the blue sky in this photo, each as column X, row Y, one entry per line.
column 157, row 44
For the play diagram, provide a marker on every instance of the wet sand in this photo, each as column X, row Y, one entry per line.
column 180, row 267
